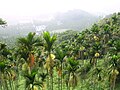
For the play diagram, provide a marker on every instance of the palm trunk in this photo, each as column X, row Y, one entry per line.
column 6, row 85
column 61, row 76
column 58, row 83
column 3, row 82
column 0, row 87
column 51, row 72
column 10, row 84
column 48, row 82
column 114, row 83
column 67, row 82
column 51, row 75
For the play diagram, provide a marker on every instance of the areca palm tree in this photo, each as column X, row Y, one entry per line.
column 43, row 79
column 5, row 67
column 113, row 71
column 114, row 61
column 2, row 22
column 72, row 68
column 31, row 81
column 96, row 75
column 60, row 57
column 27, row 46
column 49, row 41
column 7, row 76
column 3, row 50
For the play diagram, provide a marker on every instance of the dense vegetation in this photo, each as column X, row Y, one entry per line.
column 87, row 60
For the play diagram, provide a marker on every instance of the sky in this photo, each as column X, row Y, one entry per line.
column 24, row 8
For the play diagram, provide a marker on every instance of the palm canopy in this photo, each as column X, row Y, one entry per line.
column 2, row 66
column 2, row 46
column 31, row 79
column 2, row 22
column 3, row 50
column 73, row 65
column 60, row 54
column 49, row 40
column 30, row 41
column 27, row 46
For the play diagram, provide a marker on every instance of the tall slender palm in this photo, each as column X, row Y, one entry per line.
column 72, row 68
column 43, row 79
column 49, row 41
column 26, row 51
column 113, row 71
column 31, row 81
column 27, row 46
column 5, row 68
column 60, row 56
column 95, row 76
column 114, row 49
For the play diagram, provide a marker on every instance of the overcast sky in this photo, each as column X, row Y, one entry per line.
column 16, row 8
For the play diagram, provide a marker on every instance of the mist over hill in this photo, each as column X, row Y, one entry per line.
column 59, row 22
column 73, row 20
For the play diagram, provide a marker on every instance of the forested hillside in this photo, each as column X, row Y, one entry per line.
column 72, row 60
column 72, row 20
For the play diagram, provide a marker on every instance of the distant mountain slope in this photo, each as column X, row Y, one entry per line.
column 73, row 19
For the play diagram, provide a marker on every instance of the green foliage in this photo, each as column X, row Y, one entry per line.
column 59, row 54
column 49, row 40
column 30, row 79
column 86, row 60
column 30, row 41
column 2, row 22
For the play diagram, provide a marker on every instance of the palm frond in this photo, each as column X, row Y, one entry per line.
column 37, row 83
column 2, row 46
column 49, row 40
column 59, row 54
column 30, row 37
column 46, row 36
column 38, row 41
column 43, row 76
column 22, row 41
column 2, row 66
column 2, row 22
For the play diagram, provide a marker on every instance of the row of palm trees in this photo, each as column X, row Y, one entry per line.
column 49, row 63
